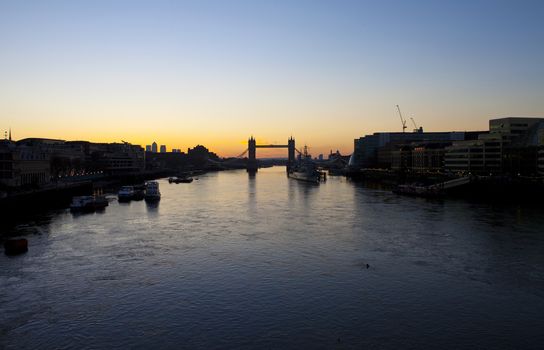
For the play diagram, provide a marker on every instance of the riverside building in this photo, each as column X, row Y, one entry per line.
column 376, row 150
column 511, row 147
column 37, row 161
column 23, row 165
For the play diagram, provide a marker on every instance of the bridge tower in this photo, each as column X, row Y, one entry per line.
column 291, row 152
column 252, row 152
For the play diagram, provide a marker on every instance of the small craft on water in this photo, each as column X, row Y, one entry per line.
column 88, row 203
column 180, row 179
column 152, row 192
column 418, row 190
column 435, row 190
column 125, row 194
column 185, row 180
column 139, row 192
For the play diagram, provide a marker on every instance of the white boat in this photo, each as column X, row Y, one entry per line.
column 152, row 192
column 88, row 203
column 125, row 193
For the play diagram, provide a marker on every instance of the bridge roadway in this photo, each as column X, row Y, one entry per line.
column 252, row 164
column 271, row 146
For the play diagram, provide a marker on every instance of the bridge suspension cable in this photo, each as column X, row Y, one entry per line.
column 241, row 155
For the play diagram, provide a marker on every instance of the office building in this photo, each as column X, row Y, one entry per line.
column 481, row 156
column 511, row 147
column 376, row 150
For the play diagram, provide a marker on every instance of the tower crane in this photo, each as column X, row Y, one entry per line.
column 415, row 125
column 402, row 120
column 416, row 128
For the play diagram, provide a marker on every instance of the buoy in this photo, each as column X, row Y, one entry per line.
column 16, row 246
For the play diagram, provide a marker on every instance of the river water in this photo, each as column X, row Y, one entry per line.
column 231, row 261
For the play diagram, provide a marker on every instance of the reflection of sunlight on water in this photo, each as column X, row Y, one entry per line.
column 233, row 257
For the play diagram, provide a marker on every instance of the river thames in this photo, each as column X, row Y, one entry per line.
column 231, row 261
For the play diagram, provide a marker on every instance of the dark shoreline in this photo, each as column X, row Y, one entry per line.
column 524, row 190
column 58, row 195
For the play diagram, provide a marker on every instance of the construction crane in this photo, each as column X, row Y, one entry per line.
column 402, row 120
column 416, row 128
column 415, row 125
column 413, row 122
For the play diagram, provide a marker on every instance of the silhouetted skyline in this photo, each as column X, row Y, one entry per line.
column 216, row 72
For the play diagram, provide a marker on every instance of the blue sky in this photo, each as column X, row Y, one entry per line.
column 217, row 71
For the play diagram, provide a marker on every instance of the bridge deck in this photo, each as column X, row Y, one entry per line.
column 271, row 146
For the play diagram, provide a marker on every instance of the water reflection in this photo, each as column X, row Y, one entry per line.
column 152, row 207
column 270, row 262
column 252, row 195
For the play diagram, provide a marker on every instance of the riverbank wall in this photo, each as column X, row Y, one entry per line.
column 501, row 188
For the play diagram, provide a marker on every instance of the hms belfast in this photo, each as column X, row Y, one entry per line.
column 305, row 169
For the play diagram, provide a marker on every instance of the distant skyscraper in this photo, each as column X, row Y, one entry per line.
column 163, row 148
column 148, row 148
column 154, row 147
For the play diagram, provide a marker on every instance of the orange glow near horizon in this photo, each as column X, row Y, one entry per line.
column 189, row 73
column 221, row 129
column 224, row 147
column 225, row 131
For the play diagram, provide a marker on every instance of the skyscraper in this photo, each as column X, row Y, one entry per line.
column 148, row 148
column 154, row 147
column 163, row 148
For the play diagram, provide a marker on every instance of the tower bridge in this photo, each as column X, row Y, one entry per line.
column 252, row 164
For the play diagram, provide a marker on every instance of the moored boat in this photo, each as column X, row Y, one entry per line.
column 305, row 169
column 435, row 190
column 305, row 174
column 152, row 192
column 139, row 194
column 418, row 190
column 88, row 203
column 125, row 194
column 183, row 180
column 100, row 202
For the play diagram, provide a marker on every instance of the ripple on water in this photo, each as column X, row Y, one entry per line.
column 234, row 262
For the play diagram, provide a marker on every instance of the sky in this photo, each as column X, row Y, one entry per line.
column 183, row 73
